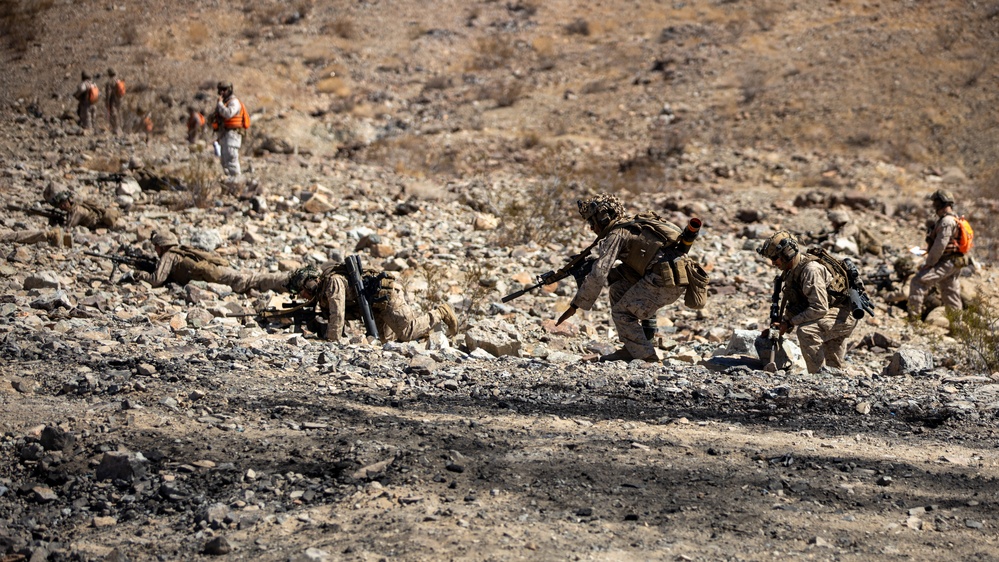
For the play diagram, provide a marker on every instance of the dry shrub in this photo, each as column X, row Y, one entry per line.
column 473, row 286
column 492, row 52
column 21, row 22
column 525, row 7
column 504, row 93
column 578, row 27
column 977, row 327
column 200, row 179
column 753, row 84
column 333, row 85
column 343, row 28
column 412, row 156
column 540, row 216
column 437, row 83
column 130, row 34
column 198, row 34
column 104, row 164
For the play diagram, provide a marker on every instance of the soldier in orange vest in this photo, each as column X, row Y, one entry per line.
column 229, row 120
column 86, row 95
column 195, row 124
column 115, row 92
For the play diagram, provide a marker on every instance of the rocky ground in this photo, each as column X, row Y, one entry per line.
column 149, row 424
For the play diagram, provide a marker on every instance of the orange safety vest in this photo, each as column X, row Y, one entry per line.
column 239, row 121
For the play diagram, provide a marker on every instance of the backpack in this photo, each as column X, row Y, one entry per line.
column 244, row 115
column 840, row 282
column 119, row 88
column 93, row 93
column 965, row 236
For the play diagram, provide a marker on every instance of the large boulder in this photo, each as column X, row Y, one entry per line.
column 909, row 361
column 495, row 339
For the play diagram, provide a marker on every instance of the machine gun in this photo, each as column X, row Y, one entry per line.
column 860, row 303
column 55, row 216
column 882, row 279
column 115, row 178
column 364, row 295
column 776, row 312
column 140, row 262
column 300, row 313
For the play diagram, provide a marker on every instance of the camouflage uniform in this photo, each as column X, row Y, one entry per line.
column 394, row 316
column 844, row 227
column 86, row 110
column 113, row 103
column 93, row 216
column 183, row 264
column 942, row 266
column 643, row 283
column 55, row 237
column 821, row 326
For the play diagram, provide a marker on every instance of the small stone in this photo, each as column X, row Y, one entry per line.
column 145, row 369
column 217, row 547
column 883, row 481
column 863, row 408
column 972, row 524
column 454, row 467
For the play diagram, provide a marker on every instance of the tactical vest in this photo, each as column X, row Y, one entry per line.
column 951, row 248
column 797, row 302
column 350, row 298
column 106, row 217
column 651, row 234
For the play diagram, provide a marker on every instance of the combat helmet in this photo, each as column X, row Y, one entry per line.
column 300, row 278
column 781, row 244
column 61, row 197
column 942, row 197
column 164, row 239
column 601, row 209
column 904, row 267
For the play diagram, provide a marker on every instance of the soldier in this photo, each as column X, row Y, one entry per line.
column 115, row 92
column 942, row 265
column 195, row 124
column 822, row 326
column 54, row 236
column 647, row 279
column 86, row 213
column 229, row 120
column 86, row 95
column 182, row 264
column 851, row 233
column 393, row 315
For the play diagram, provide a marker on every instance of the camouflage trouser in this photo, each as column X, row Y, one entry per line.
column 633, row 302
column 946, row 277
column 242, row 282
column 230, row 142
column 24, row 236
column 824, row 340
column 87, row 113
column 114, row 117
column 395, row 318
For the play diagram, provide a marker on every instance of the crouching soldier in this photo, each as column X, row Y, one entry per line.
column 653, row 273
column 87, row 214
column 182, row 264
column 822, row 325
column 393, row 315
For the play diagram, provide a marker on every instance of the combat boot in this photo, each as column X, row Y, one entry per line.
column 446, row 315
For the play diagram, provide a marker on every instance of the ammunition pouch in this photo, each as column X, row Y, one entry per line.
column 696, row 296
column 959, row 260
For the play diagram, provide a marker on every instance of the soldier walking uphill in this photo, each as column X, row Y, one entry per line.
column 183, row 264
column 115, row 92
column 654, row 272
column 822, row 325
column 86, row 95
column 944, row 259
column 230, row 120
column 393, row 315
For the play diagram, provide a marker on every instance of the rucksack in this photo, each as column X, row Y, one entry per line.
column 93, row 92
column 840, row 282
column 244, row 115
column 965, row 236
column 119, row 88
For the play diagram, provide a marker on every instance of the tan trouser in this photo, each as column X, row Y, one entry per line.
column 633, row 302
column 824, row 340
column 242, row 282
column 396, row 319
column 946, row 277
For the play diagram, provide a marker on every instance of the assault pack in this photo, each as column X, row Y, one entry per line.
column 965, row 236
column 846, row 284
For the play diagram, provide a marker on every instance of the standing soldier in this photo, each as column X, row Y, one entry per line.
column 86, row 95
column 195, row 124
column 822, row 326
column 944, row 260
column 230, row 120
column 115, row 92
column 86, row 213
column 654, row 272
column 393, row 315
column 183, row 264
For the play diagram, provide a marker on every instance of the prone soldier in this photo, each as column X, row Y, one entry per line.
column 183, row 264
column 338, row 299
column 85, row 213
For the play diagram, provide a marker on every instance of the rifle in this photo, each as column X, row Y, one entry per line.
column 140, row 262
column 356, row 282
column 55, row 216
column 882, row 279
column 859, row 301
column 115, row 178
column 299, row 312
column 776, row 312
column 579, row 267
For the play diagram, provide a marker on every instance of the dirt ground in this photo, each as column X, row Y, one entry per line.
column 450, row 141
